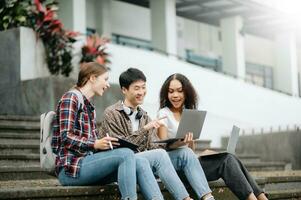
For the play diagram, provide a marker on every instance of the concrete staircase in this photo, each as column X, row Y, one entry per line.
column 22, row 178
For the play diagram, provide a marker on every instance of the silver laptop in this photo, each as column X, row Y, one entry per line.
column 233, row 140
column 191, row 121
column 232, row 143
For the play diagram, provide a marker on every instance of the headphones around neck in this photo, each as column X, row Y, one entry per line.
column 129, row 112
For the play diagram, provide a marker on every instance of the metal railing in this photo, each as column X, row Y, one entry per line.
column 271, row 129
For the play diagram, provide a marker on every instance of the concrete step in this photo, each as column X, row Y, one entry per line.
column 13, row 143
column 19, row 123
column 23, row 136
column 8, row 146
column 19, row 118
column 19, row 126
column 8, row 151
column 28, row 172
column 285, row 194
column 280, row 180
column 40, row 190
column 20, row 163
column 282, row 183
column 14, row 146
column 20, row 156
column 265, row 166
column 249, row 158
column 51, row 189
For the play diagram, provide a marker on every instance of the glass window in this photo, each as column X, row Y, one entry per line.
column 261, row 75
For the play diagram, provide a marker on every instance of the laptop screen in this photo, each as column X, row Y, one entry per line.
column 233, row 140
column 191, row 121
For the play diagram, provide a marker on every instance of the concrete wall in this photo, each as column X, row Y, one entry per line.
column 34, row 97
column 259, row 50
column 9, row 59
column 281, row 146
column 23, row 51
column 33, row 59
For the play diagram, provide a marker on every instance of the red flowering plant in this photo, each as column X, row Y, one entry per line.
column 57, row 41
column 40, row 15
column 94, row 50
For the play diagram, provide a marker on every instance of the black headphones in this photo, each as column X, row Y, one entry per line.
column 129, row 112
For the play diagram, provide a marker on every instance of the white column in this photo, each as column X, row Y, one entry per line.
column 286, row 72
column 233, row 51
column 73, row 14
column 103, row 22
column 163, row 25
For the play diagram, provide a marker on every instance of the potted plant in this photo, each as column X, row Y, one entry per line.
column 95, row 50
column 40, row 15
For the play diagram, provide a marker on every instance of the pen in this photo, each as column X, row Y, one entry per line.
column 110, row 143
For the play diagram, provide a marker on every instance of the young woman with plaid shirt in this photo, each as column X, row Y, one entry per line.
column 82, row 158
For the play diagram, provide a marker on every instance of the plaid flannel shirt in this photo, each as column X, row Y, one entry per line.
column 71, row 139
column 117, row 124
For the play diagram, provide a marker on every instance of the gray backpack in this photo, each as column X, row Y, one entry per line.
column 47, row 156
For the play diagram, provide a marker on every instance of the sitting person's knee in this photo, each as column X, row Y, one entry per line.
column 187, row 152
column 126, row 153
column 141, row 163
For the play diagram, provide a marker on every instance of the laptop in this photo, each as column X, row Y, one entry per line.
column 191, row 121
column 231, row 144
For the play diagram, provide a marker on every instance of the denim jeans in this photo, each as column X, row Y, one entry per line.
column 146, row 180
column 161, row 165
column 95, row 167
column 184, row 160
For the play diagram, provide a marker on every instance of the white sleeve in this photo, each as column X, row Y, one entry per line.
column 163, row 113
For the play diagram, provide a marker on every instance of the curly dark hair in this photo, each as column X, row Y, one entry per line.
column 191, row 97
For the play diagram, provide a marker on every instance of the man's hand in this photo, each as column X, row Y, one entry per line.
column 156, row 123
column 187, row 140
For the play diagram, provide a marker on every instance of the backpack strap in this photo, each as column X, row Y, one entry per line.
column 79, row 97
column 81, row 104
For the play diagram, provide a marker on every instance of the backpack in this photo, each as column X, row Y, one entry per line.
column 47, row 156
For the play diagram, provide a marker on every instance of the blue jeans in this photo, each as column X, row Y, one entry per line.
column 96, row 167
column 161, row 165
column 184, row 159
column 146, row 180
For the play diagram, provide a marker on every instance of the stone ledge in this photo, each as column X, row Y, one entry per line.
column 20, row 156
column 285, row 194
column 20, row 146
column 20, row 118
column 51, row 189
column 26, row 136
column 19, row 127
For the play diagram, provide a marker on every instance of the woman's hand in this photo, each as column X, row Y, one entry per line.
column 104, row 143
column 187, row 140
